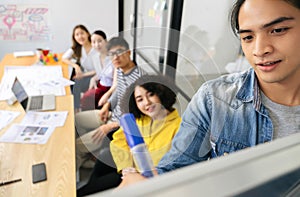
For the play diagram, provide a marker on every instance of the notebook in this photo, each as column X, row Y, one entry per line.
column 32, row 103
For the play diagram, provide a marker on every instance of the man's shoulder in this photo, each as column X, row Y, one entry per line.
column 226, row 87
column 137, row 70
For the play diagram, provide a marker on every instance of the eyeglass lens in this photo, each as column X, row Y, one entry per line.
column 117, row 52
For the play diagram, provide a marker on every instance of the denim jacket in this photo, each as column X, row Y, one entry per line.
column 224, row 116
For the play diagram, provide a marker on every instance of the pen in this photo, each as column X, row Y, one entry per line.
column 9, row 182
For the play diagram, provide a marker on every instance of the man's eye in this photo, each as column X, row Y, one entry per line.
column 279, row 30
column 119, row 51
column 247, row 38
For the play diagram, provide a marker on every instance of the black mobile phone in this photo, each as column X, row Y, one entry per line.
column 39, row 173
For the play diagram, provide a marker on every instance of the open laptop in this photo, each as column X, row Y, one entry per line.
column 32, row 103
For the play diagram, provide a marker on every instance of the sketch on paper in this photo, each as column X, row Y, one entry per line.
column 24, row 22
column 37, row 80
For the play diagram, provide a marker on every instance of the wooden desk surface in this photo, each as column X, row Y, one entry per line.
column 9, row 59
column 58, row 154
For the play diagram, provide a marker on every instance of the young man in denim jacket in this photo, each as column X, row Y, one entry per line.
column 245, row 109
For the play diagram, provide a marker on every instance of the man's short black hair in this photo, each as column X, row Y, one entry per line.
column 117, row 41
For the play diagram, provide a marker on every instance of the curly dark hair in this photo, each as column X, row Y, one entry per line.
column 160, row 85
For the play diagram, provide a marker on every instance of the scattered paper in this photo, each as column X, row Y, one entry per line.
column 57, row 82
column 55, row 119
column 6, row 117
column 35, row 128
column 28, row 134
column 33, row 79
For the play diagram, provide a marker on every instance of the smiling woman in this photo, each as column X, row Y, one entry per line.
column 150, row 99
column 80, row 56
column 249, row 108
column 101, row 84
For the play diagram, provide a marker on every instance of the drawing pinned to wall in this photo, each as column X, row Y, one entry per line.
column 159, row 7
column 24, row 22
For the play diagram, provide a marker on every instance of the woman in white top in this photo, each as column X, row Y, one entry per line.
column 80, row 57
column 101, row 85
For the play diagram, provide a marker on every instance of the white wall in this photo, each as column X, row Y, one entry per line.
column 211, row 16
column 63, row 16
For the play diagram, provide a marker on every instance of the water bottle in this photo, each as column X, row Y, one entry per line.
column 140, row 153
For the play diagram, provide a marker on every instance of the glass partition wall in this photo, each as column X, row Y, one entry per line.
column 190, row 41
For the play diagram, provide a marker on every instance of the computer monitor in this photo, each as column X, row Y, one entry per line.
column 270, row 169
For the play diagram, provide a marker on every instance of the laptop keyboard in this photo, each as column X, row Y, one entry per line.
column 36, row 103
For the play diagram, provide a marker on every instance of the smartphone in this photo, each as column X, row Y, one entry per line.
column 39, row 173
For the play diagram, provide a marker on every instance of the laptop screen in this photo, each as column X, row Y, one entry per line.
column 20, row 93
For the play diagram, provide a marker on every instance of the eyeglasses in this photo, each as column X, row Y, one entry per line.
column 117, row 53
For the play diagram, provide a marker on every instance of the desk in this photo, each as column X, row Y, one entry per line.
column 58, row 153
column 9, row 59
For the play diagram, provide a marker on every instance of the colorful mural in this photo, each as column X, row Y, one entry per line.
column 24, row 22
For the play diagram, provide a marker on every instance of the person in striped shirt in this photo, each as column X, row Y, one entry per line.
column 93, row 125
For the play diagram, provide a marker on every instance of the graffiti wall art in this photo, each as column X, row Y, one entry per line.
column 24, row 22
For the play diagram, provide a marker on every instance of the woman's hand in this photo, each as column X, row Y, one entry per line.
column 103, row 99
column 98, row 136
column 131, row 178
column 78, row 72
column 93, row 83
column 102, row 131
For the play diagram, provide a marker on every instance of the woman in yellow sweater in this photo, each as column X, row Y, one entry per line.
column 151, row 102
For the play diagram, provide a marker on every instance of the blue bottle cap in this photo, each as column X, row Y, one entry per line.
column 131, row 131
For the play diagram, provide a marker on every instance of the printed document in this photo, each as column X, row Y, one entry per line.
column 6, row 117
column 27, row 134
column 35, row 128
column 37, row 80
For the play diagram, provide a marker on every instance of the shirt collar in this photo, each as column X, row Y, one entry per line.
column 249, row 90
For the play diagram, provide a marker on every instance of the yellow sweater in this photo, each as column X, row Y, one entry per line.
column 157, row 135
